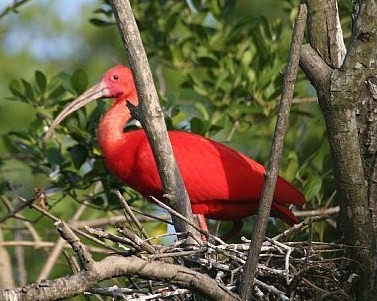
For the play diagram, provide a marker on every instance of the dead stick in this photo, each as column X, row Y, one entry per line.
column 275, row 155
column 128, row 210
column 180, row 216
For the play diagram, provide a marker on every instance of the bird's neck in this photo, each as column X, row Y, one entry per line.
column 110, row 131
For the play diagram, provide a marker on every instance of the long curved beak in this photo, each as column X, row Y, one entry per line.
column 96, row 92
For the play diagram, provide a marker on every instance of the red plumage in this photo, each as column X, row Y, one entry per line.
column 222, row 183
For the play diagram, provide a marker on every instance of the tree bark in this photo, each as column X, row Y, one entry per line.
column 340, row 90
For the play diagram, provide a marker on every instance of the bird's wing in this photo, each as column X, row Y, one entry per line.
column 220, row 181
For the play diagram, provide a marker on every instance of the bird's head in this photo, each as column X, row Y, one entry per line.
column 116, row 83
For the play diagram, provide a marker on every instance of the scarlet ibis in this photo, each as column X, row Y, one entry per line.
column 222, row 183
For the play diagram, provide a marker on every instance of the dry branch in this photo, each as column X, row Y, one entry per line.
column 115, row 266
column 275, row 155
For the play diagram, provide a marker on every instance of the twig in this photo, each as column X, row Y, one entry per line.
column 128, row 210
column 102, row 234
column 178, row 254
column 304, row 100
column 72, row 262
column 317, row 212
column 145, row 245
column 275, row 155
column 13, row 7
column 6, row 279
column 180, row 216
column 80, row 249
column 20, row 256
column 272, row 289
column 233, row 130
column 75, row 229
column 25, row 203
column 288, row 254
column 299, row 226
column 118, row 219
column 55, row 252
column 153, row 120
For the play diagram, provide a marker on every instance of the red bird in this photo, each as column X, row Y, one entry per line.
column 222, row 183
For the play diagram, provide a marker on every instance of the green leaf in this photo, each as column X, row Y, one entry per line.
column 206, row 61
column 197, row 125
column 79, row 81
column 54, row 156
column 16, row 89
column 41, row 80
column 79, row 154
column 99, row 22
column 28, row 90
column 313, row 186
column 36, row 127
column 202, row 109
column 58, row 91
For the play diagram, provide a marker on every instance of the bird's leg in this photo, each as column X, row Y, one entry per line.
column 202, row 224
column 236, row 228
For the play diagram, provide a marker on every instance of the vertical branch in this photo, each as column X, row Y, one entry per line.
column 275, row 155
column 152, row 116
column 19, row 255
column 6, row 279
column 327, row 38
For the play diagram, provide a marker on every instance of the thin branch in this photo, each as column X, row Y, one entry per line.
column 80, row 249
column 59, row 246
column 300, row 226
column 118, row 219
column 275, row 155
column 153, row 119
column 6, row 279
column 143, row 244
column 12, row 8
column 25, row 203
column 119, row 240
column 128, row 210
column 315, row 67
column 20, row 256
column 318, row 212
column 180, row 216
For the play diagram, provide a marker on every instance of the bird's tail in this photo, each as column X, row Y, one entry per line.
column 286, row 194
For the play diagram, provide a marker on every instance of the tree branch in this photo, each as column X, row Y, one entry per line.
column 315, row 67
column 6, row 279
column 12, row 8
column 275, row 156
column 80, row 249
column 153, row 119
column 59, row 246
column 327, row 39
column 115, row 266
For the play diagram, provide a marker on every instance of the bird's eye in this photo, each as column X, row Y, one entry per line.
column 115, row 77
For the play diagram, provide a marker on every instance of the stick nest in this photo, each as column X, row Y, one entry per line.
column 286, row 270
